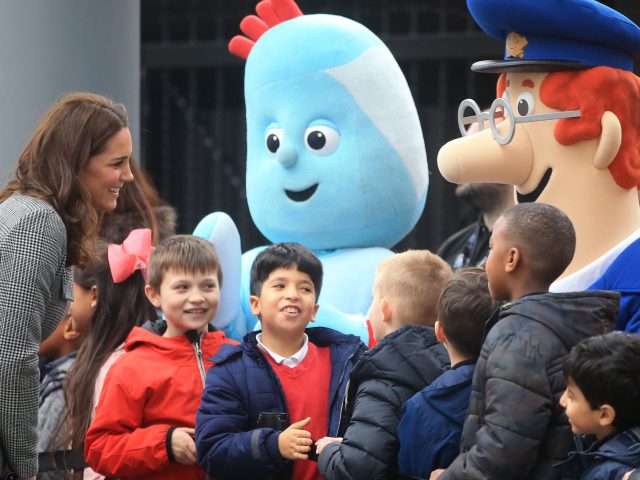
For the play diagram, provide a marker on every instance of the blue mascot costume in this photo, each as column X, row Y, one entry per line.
column 335, row 158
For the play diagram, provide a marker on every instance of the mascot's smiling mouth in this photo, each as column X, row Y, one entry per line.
column 302, row 195
column 533, row 195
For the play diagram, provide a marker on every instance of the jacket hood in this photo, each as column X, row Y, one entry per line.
column 623, row 448
column 443, row 388
column 140, row 337
column 176, row 347
column 442, row 394
column 319, row 336
column 157, row 327
column 55, row 373
column 564, row 313
column 409, row 356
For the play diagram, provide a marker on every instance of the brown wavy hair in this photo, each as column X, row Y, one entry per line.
column 76, row 128
column 140, row 198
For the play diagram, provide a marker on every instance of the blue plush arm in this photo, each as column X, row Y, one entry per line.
column 220, row 230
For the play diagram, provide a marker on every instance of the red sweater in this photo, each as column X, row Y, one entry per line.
column 306, row 388
column 154, row 386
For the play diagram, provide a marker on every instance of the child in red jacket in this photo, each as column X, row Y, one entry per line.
column 144, row 423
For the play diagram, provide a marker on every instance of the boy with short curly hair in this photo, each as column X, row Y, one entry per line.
column 516, row 427
column 288, row 371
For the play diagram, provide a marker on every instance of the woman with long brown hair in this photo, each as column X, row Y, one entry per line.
column 71, row 169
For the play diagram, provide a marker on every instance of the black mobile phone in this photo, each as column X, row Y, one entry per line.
column 276, row 420
column 313, row 454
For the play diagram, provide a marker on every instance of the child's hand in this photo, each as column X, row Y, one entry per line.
column 183, row 446
column 323, row 442
column 294, row 442
column 436, row 473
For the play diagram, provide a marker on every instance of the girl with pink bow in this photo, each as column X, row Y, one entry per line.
column 110, row 292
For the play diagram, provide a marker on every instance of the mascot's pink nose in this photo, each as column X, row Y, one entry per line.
column 287, row 156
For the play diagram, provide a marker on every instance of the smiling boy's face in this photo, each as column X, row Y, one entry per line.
column 286, row 304
column 189, row 301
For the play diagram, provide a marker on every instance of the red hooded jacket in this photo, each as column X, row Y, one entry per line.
column 154, row 386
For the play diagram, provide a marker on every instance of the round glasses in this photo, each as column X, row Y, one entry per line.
column 500, row 108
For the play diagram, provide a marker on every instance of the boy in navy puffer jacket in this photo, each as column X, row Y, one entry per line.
column 287, row 370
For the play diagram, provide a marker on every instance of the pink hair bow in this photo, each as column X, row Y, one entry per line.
column 132, row 255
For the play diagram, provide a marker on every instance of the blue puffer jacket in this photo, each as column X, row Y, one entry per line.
column 242, row 384
column 607, row 460
column 431, row 425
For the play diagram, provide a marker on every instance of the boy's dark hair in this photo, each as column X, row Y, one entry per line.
column 285, row 255
column 464, row 308
column 545, row 236
column 606, row 369
column 182, row 253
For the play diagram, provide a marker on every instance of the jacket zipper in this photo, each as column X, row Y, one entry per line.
column 198, row 350
column 345, row 399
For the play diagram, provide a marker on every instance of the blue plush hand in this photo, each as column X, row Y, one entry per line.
column 220, row 230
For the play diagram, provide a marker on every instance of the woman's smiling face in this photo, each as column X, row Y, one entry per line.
column 108, row 171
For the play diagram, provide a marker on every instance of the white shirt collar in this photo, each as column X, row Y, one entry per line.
column 291, row 361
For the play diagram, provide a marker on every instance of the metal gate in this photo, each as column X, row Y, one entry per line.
column 193, row 131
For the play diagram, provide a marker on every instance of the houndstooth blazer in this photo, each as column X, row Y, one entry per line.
column 35, row 290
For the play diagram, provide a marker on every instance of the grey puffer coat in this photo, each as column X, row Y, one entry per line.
column 516, row 428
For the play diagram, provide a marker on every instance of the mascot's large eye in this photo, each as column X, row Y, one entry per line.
column 526, row 104
column 273, row 139
column 321, row 139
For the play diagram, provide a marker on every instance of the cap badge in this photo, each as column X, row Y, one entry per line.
column 516, row 44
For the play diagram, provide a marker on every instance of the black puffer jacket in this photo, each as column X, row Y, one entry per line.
column 385, row 377
column 516, row 428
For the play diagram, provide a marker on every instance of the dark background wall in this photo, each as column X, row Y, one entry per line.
column 193, row 132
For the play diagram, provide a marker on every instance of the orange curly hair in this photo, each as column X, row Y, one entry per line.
column 594, row 91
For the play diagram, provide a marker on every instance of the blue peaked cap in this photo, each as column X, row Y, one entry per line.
column 556, row 34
